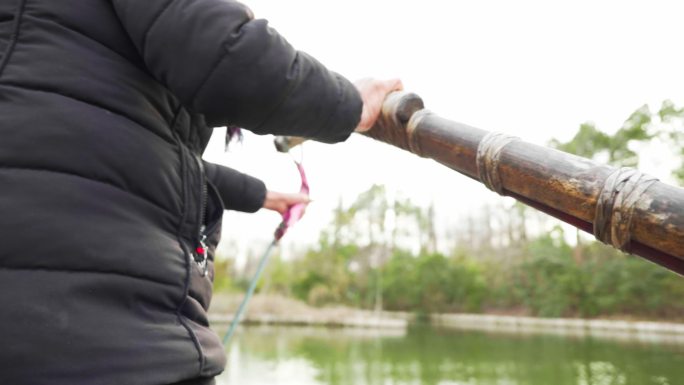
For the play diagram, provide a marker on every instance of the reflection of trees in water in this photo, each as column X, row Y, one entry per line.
column 447, row 357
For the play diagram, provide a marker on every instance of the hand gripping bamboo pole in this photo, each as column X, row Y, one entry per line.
column 622, row 207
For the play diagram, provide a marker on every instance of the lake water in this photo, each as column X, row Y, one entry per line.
column 320, row 356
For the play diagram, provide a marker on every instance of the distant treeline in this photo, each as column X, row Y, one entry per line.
column 546, row 277
column 381, row 254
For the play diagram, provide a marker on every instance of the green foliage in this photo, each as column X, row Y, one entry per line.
column 607, row 282
column 642, row 125
column 542, row 279
column 591, row 142
column 399, row 284
column 322, row 277
column 588, row 142
column 673, row 120
column 669, row 111
column 547, row 283
column 280, row 276
column 222, row 270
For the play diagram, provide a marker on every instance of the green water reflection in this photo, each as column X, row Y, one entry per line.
column 307, row 356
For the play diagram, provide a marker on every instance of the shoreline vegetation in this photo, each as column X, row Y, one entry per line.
column 277, row 310
column 281, row 311
column 512, row 273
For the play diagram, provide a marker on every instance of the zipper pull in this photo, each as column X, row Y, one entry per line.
column 202, row 254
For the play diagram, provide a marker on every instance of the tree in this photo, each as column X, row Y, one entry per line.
column 672, row 128
column 590, row 142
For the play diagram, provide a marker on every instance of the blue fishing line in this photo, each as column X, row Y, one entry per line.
column 250, row 292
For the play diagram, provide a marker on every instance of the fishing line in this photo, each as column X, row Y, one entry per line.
column 290, row 217
column 250, row 292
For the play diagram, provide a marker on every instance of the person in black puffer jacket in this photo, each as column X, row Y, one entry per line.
column 105, row 109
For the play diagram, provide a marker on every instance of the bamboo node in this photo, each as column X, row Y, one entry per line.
column 488, row 157
column 412, row 129
column 615, row 206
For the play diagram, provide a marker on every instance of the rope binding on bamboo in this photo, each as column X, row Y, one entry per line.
column 488, row 158
column 615, row 206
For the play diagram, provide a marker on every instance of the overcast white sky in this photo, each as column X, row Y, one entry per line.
column 536, row 69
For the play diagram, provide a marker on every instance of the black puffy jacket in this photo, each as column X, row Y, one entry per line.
column 105, row 109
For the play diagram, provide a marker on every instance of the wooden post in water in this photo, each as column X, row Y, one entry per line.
column 622, row 207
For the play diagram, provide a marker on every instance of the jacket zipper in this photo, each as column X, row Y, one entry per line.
column 202, row 250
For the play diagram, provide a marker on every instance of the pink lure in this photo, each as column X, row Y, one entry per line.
column 295, row 212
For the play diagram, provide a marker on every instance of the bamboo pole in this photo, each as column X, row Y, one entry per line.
column 649, row 216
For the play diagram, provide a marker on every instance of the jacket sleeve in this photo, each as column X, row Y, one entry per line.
column 238, row 191
column 221, row 62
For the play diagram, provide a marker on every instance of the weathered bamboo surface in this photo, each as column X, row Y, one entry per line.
column 560, row 184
